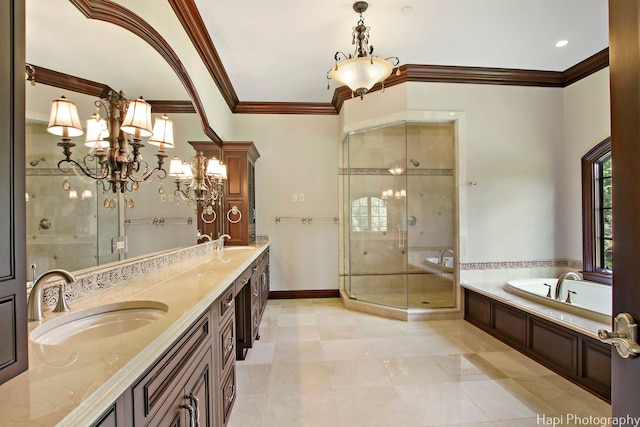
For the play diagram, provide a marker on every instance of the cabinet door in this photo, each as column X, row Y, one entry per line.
column 198, row 391
column 116, row 416
column 192, row 404
column 13, row 305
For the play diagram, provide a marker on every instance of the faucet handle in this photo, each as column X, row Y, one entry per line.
column 61, row 306
column 568, row 300
column 549, row 290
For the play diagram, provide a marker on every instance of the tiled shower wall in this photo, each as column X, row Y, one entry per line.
column 422, row 223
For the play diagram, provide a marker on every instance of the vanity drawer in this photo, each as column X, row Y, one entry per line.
column 242, row 280
column 150, row 394
column 227, row 343
column 228, row 395
column 225, row 304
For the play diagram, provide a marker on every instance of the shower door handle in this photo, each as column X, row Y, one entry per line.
column 401, row 238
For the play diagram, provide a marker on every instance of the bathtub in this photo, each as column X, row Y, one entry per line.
column 591, row 300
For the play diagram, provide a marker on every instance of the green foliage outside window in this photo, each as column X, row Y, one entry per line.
column 605, row 213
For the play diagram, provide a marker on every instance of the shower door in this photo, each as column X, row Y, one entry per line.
column 398, row 210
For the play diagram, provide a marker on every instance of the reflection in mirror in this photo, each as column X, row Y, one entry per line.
column 72, row 223
column 67, row 227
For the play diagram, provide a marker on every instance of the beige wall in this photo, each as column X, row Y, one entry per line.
column 521, row 145
column 587, row 121
column 298, row 155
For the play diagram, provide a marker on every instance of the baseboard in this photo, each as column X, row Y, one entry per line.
column 316, row 293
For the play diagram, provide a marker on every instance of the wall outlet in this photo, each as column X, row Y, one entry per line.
column 301, row 197
column 163, row 197
column 294, row 197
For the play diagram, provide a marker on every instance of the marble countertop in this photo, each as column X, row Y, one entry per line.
column 572, row 321
column 72, row 385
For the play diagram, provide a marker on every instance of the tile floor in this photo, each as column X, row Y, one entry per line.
column 318, row 364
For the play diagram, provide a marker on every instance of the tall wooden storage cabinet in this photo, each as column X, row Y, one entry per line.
column 239, row 205
column 237, row 214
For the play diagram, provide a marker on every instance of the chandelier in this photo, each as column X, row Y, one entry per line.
column 361, row 70
column 114, row 159
column 199, row 181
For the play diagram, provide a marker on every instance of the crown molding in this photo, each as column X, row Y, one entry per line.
column 171, row 107
column 585, row 68
column 68, row 82
column 191, row 20
column 64, row 81
column 113, row 13
column 317, row 108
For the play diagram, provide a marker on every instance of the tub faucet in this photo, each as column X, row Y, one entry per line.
column 566, row 276
column 442, row 255
column 34, row 304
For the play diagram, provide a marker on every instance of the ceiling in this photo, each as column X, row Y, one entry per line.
column 280, row 50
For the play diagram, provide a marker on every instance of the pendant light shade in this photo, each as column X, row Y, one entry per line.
column 362, row 70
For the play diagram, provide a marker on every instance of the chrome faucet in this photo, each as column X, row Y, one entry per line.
column 221, row 241
column 566, row 276
column 442, row 255
column 34, row 304
column 204, row 236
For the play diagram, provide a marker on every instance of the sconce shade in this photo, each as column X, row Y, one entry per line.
column 220, row 170
column 137, row 121
column 162, row 132
column 212, row 166
column 223, row 170
column 186, row 171
column 97, row 131
column 175, row 167
column 360, row 74
column 64, row 119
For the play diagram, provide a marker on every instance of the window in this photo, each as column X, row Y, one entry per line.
column 369, row 214
column 597, row 213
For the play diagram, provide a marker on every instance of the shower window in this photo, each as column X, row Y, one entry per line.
column 597, row 213
column 369, row 214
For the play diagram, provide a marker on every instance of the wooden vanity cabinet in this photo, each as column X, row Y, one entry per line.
column 163, row 396
column 226, row 356
column 116, row 416
column 201, row 365
column 251, row 298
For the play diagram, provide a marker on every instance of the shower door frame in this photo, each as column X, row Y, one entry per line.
column 403, row 232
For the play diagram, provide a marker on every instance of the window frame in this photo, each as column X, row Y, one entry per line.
column 370, row 216
column 590, row 203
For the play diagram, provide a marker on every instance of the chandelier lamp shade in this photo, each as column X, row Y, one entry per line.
column 200, row 181
column 362, row 70
column 114, row 159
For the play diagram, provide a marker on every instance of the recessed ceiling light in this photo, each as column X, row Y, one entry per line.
column 406, row 9
column 562, row 43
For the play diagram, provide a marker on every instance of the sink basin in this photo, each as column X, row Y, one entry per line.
column 239, row 248
column 98, row 322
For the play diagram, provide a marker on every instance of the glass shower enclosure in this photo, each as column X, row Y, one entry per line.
column 398, row 209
